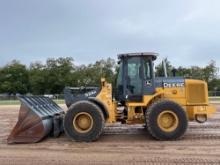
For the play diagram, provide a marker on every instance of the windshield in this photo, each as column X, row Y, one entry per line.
column 119, row 83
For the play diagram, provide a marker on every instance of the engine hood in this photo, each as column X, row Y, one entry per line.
column 196, row 91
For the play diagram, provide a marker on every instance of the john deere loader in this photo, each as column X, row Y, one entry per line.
column 164, row 105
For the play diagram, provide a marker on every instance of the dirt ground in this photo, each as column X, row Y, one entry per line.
column 118, row 145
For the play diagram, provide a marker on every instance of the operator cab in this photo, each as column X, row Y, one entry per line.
column 135, row 77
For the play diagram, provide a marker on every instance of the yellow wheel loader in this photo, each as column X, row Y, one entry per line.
column 163, row 104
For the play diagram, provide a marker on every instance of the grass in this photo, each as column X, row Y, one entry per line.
column 214, row 99
column 9, row 102
column 17, row 102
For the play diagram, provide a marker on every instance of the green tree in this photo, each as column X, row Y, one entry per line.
column 38, row 77
column 214, row 85
column 210, row 72
column 206, row 73
column 14, row 78
column 58, row 74
column 91, row 74
column 183, row 72
column 52, row 77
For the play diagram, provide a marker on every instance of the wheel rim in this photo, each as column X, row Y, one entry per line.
column 167, row 121
column 83, row 122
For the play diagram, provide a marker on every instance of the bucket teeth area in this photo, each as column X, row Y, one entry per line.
column 38, row 117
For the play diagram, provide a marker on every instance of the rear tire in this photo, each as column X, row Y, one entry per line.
column 166, row 120
column 84, row 121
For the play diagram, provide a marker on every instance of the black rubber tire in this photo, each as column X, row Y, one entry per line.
column 98, row 121
column 151, row 119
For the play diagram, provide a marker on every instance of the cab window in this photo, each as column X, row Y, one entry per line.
column 147, row 70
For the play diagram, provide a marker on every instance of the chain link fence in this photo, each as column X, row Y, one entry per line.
column 6, row 99
column 214, row 93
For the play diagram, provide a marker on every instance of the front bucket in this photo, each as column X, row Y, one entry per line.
column 38, row 117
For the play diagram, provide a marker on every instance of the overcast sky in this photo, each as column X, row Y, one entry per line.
column 187, row 31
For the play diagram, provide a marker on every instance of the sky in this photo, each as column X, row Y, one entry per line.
column 187, row 32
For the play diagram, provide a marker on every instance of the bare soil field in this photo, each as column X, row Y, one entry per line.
column 118, row 145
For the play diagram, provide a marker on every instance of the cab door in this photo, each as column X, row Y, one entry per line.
column 148, row 77
column 134, row 79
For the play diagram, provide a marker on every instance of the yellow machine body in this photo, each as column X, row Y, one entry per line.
column 193, row 97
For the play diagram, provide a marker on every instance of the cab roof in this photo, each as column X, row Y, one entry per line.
column 142, row 54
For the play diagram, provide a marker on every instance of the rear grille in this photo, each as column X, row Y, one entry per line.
column 196, row 93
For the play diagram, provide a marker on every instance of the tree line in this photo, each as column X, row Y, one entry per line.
column 56, row 73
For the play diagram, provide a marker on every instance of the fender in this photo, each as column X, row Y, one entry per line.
column 101, row 106
column 158, row 94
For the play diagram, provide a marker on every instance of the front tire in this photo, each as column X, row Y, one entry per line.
column 166, row 120
column 84, row 121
